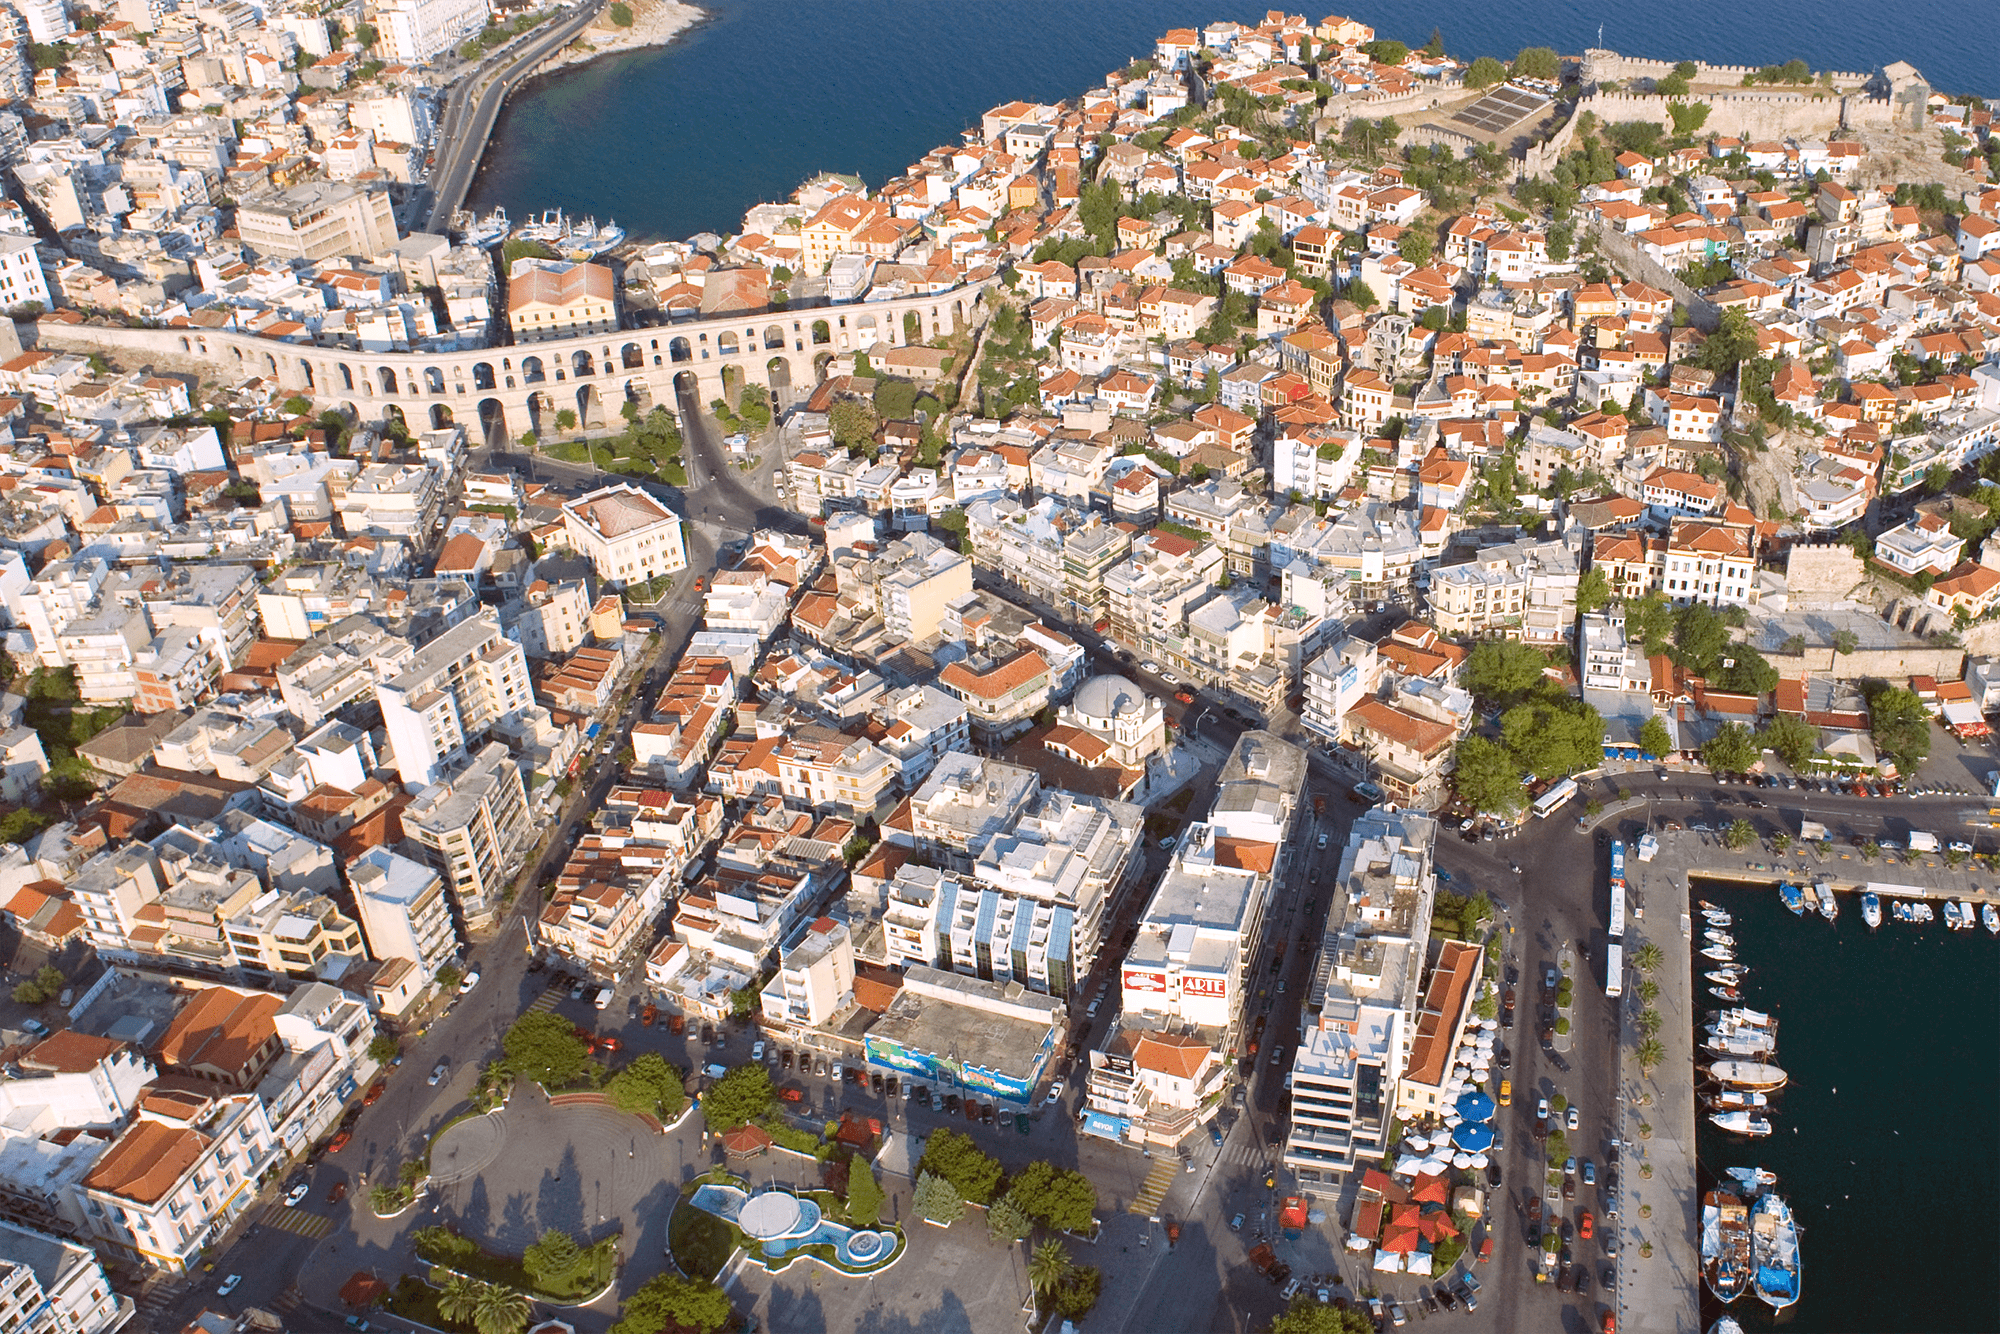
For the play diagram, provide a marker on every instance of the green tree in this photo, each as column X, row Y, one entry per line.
column 1700, row 638
column 1647, row 957
column 1746, row 671
column 744, row 1094
column 853, row 424
column 1688, row 117
column 1307, row 1316
column 1417, row 246
column 1048, row 1266
column 1733, row 342
column 1484, row 73
column 1055, row 1196
column 1740, row 834
column 543, row 1048
column 501, row 1310
column 1537, row 62
column 365, row 34
column 1386, row 51
column 1900, row 725
column 1503, row 671
column 864, row 1194
column 937, row 1199
column 458, row 1298
column 43, row 987
column 1651, row 1052
column 1592, row 591
column 1673, row 85
column 669, row 1299
column 957, row 1159
column 1654, row 739
column 383, row 1049
column 1649, row 620
column 895, row 400
column 1078, row 1291
column 566, row 419
column 1732, row 750
column 551, row 1258
column 649, row 1086
column 1553, row 735
column 1362, row 295
column 1006, row 1222
column 1845, row 642
column 1486, row 776
column 1794, row 739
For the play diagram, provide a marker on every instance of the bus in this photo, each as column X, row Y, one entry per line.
column 1614, row 969
column 1617, row 859
column 1617, row 929
column 1550, row 801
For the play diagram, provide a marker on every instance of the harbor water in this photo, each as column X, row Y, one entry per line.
column 1884, row 1140
column 681, row 139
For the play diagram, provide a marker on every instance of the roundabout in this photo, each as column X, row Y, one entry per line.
column 468, row 1147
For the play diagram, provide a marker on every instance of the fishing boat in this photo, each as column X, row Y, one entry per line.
column 1903, row 912
column 1745, row 1015
column 1774, row 1249
column 1725, row 1244
column 1922, row 914
column 1753, row 1180
column 1744, row 1046
column 548, row 228
column 1706, row 906
column 1729, row 1100
column 1828, row 908
column 1761, row 1076
column 1720, row 953
column 1741, row 1123
column 1725, row 993
column 1954, row 917
column 1991, row 916
column 1727, row 977
column 1811, row 897
column 1794, row 899
column 1968, row 915
column 490, row 230
column 1871, row 909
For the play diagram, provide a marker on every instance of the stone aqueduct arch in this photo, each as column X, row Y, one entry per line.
column 499, row 383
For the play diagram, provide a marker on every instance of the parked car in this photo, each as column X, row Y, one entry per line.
column 228, row 1285
column 296, row 1193
column 839, row 1075
column 439, row 1071
column 757, row 1050
column 471, row 981
column 1583, row 1225
column 339, row 1140
column 650, row 1013
column 950, row 1103
column 338, row 1193
column 1055, row 1092
column 374, row 1093
column 1570, row 1117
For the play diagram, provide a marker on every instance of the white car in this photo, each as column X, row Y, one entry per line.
column 1569, row 1117
column 1055, row 1092
column 836, row 1072
column 471, row 981
column 757, row 1050
column 1170, row 678
column 1152, row 667
column 438, row 1072
column 1961, row 847
column 228, row 1285
column 297, row 1193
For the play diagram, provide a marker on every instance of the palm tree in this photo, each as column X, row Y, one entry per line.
column 1651, row 1052
column 1781, row 843
column 458, row 1299
column 1648, row 1022
column 1648, row 957
column 1049, row 1266
column 501, row 1310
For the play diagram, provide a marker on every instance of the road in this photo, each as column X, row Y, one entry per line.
column 474, row 104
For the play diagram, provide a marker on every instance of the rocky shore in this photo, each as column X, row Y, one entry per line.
column 654, row 23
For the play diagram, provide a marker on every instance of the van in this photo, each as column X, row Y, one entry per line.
column 1506, row 1093
column 603, row 1000
column 714, row 1071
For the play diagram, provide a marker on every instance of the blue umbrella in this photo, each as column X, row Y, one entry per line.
column 1472, row 1138
column 1476, row 1106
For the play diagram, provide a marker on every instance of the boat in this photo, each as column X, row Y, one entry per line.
column 1774, row 1250
column 1741, row 1123
column 1954, row 918
column 1753, row 1180
column 490, row 230
column 1903, row 912
column 1811, row 897
column 1871, row 909
column 1725, row 1244
column 1744, row 1015
column 1720, row 953
column 1716, row 917
column 1725, row 1325
column 1719, row 938
column 1922, row 914
column 1793, row 899
column 548, row 228
column 1991, row 916
column 1726, row 977
column 1746, row 1046
column 587, row 240
column 1828, row 908
column 1706, row 906
column 1725, row 993
column 1729, row 1100
column 1759, row 1075
column 1967, row 914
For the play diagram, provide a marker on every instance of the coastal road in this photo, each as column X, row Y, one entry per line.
column 474, row 105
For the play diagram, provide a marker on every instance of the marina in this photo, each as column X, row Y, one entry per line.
column 1849, row 1106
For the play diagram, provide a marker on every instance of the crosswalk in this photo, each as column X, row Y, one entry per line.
column 545, row 1002
column 1158, row 1182
column 1243, row 1153
column 301, row 1221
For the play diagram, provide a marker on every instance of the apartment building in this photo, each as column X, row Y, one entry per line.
column 1517, row 590
column 628, row 536
column 51, row 1285
column 1426, row 1088
column 814, row 982
column 1004, row 685
column 602, row 905
column 738, row 917
column 1610, row 661
column 470, row 829
column 1056, row 554
column 177, row 1176
column 419, row 31
column 750, row 601
column 916, row 727
column 451, row 693
column 399, row 501
column 1711, row 562
column 1151, row 591
column 810, row 765
column 554, row 619
column 318, row 220
column 403, row 910
column 1334, row 682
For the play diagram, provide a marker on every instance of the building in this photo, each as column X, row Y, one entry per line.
column 403, row 910
column 49, row 1285
column 628, row 535
column 1334, row 682
column 1120, row 724
column 451, row 693
column 554, row 619
column 548, row 300
column 1343, row 1083
column 1711, row 562
column 21, row 278
column 318, row 220
column 984, row 1040
column 470, row 829
column 814, row 981
column 178, row 1176
column 1440, row 1024
column 419, row 31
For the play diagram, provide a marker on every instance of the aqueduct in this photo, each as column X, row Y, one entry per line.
column 521, row 388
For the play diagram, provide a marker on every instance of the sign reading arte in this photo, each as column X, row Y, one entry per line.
column 1137, row 980
column 1217, row 987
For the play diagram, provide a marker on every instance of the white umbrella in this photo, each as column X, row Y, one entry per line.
column 1452, row 1118
column 1482, row 1068
column 1484, row 1042
column 1416, row 1143
column 1480, row 1160
column 1461, row 1160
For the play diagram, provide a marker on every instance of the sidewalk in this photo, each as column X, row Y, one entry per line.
column 1660, row 1293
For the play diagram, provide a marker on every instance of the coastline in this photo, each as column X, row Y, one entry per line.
column 654, row 23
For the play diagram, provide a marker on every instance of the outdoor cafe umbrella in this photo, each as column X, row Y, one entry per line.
column 1475, row 1106
column 1472, row 1137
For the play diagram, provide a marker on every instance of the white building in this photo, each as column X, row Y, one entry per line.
column 471, row 828
column 21, row 279
column 450, row 694
column 629, row 536
column 52, row 1286
column 421, row 30
column 815, row 978
column 403, row 910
